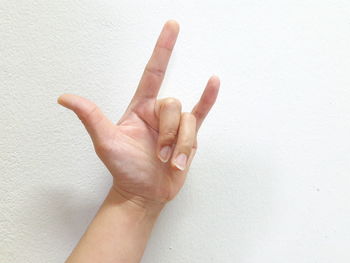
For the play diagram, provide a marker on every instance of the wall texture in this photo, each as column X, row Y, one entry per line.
column 270, row 182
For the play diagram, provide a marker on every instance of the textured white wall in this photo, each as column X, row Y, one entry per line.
column 270, row 182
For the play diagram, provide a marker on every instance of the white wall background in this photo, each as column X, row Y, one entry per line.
column 270, row 182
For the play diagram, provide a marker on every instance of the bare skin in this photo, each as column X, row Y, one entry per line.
column 148, row 152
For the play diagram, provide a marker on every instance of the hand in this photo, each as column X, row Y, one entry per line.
column 150, row 149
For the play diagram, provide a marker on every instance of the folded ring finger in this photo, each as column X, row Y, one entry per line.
column 185, row 141
column 169, row 113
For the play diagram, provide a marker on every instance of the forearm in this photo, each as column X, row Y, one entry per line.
column 118, row 233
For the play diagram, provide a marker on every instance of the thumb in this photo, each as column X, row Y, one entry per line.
column 95, row 122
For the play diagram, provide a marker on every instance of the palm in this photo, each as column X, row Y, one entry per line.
column 131, row 149
column 133, row 161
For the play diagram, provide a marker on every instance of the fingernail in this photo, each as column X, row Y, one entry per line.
column 164, row 154
column 180, row 161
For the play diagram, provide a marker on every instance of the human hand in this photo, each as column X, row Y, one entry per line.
column 150, row 149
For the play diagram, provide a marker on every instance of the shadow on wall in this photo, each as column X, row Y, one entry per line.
column 60, row 214
column 223, row 211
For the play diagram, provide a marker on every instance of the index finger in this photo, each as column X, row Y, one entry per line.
column 153, row 74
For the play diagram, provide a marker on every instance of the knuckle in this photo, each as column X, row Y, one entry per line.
column 187, row 142
column 185, row 147
column 168, row 135
column 102, row 147
column 199, row 113
column 172, row 102
column 89, row 115
column 158, row 72
column 188, row 116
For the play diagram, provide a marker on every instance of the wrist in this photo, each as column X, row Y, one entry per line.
column 119, row 231
column 134, row 205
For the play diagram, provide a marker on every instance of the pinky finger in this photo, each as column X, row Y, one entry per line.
column 207, row 100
